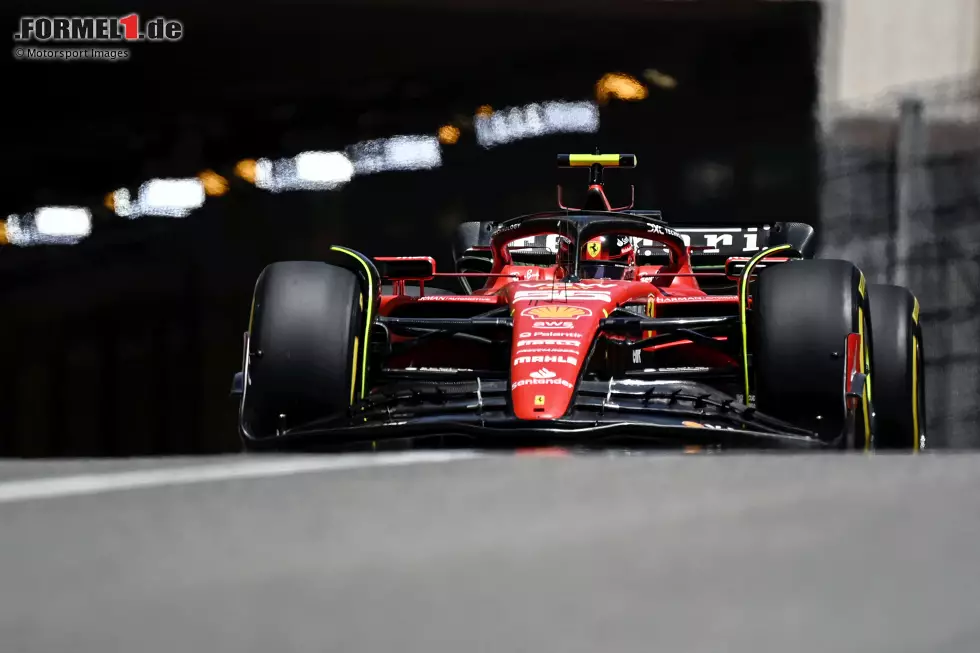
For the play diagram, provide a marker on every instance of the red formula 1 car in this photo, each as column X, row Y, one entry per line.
column 587, row 327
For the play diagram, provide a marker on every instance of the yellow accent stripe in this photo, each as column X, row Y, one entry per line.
column 915, row 392
column 368, row 321
column 864, row 364
column 577, row 160
column 862, row 284
column 353, row 371
column 916, row 445
column 651, row 312
column 743, row 301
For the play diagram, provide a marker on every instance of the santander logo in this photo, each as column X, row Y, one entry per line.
column 543, row 373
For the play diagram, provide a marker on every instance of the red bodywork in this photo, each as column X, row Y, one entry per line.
column 557, row 324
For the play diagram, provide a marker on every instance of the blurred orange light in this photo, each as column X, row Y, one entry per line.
column 214, row 184
column 246, row 170
column 620, row 86
column 3, row 232
column 448, row 134
column 484, row 111
column 110, row 201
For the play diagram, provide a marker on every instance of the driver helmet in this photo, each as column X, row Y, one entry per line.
column 607, row 257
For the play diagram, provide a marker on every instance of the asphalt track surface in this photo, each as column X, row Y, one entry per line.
column 667, row 553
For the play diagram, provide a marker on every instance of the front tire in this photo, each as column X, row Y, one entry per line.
column 899, row 383
column 802, row 313
column 304, row 346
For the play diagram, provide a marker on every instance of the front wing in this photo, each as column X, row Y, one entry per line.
column 630, row 413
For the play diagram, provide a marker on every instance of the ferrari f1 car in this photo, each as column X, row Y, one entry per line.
column 591, row 327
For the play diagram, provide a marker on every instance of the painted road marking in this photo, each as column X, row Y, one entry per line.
column 83, row 484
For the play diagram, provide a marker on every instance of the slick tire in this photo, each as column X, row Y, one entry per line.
column 801, row 316
column 304, row 346
column 897, row 359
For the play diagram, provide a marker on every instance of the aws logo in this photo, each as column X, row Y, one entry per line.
column 553, row 324
column 553, row 311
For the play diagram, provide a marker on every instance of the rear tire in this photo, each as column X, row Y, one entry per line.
column 304, row 343
column 899, row 383
column 802, row 314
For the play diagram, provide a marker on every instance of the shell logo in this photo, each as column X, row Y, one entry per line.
column 556, row 311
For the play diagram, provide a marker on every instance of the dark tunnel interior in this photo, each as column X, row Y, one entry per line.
column 125, row 343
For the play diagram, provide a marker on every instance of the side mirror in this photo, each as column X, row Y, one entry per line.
column 406, row 268
column 238, row 384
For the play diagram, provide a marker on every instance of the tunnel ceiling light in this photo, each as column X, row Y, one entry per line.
column 660, row 79
column 448, row 134
column 214, row 184
column 396, row 153
column 328, row 168
column 620, row 86
column 169, row 198
column 49, row 225
column 533, row 120
column 120, row 202
column 306, row 171
column 245, row 169
column 484, row 111
column 264, row 177
column 63, row 221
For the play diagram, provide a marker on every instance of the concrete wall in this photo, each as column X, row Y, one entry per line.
column 884, row 177
column 873, row 47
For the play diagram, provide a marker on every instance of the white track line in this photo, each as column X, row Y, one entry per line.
column 82, row 484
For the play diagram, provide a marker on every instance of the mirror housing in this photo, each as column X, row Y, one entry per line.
column 406, row 268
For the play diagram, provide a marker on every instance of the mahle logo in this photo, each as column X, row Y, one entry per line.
column 565, row 360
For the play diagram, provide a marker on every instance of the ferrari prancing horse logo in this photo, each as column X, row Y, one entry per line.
column 539, row 400
column 593, row 248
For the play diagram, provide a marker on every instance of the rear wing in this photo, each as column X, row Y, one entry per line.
column 713, row 245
